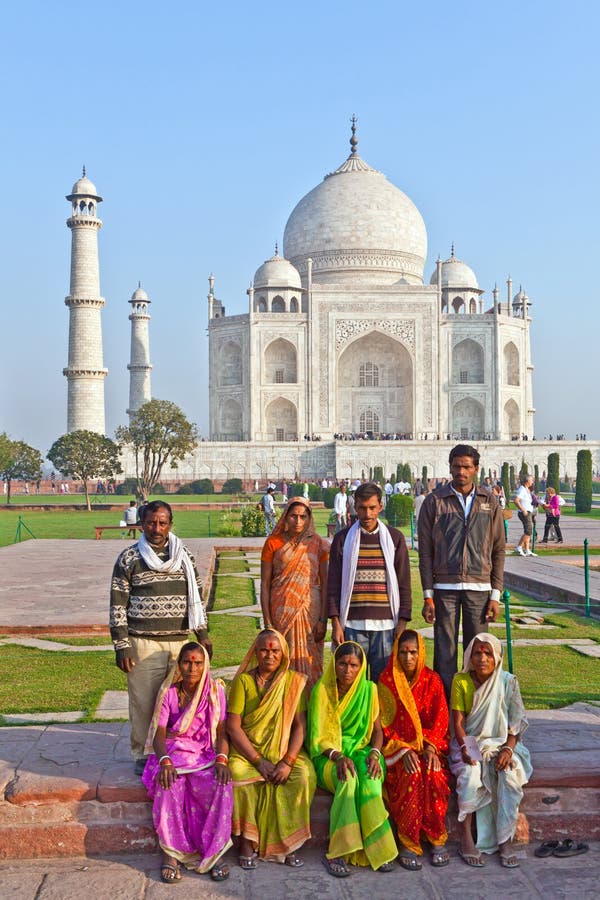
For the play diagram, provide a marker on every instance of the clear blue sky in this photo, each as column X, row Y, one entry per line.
column 202, row 128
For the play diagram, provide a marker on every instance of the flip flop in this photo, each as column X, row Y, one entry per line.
column 509, row 861
column 439, row 857
column 247, row 862
column 337, row 867
column 173, row 877
column 570, row 848
column 409, row 861
column 293, row 861
column 547, row 848
column 219, row 872
column 472, row 859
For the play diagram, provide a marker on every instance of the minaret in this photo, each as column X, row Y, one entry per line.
column 139, row 367
column 85, row 371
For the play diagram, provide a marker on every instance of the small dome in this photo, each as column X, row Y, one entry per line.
column 83, row 187
column 456, row 274
column 140, row 295
column 519, row 297
column 277, row 272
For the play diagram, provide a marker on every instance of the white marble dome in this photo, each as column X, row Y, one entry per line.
column 277, row 272
column 140, row 295
column 83, row 187
column 357, row 221
column 456, row 274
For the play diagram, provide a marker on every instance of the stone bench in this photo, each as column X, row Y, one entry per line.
column 101, row 528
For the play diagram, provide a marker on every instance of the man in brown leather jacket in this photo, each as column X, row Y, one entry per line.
column 461, row 559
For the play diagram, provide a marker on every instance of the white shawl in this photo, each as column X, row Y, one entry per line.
column 349, row 562
column 178, row 561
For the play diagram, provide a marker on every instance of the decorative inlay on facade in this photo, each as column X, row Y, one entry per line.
column 346, row 329
column 87, row 373
column 363, row 259
column 93, row 302
column 460, row 336
column 480, row 396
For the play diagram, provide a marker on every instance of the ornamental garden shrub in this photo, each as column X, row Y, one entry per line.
column 232, row 486
column 253, row 521
column 398, row 509
column 583, row 488
column 553, row 478
column 329, row 496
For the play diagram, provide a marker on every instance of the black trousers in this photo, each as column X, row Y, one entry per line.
column 550, row 521
column 448, row 607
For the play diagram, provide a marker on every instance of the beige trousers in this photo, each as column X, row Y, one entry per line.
column 153, row 660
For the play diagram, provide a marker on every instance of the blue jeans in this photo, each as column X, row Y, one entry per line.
column 377, row 646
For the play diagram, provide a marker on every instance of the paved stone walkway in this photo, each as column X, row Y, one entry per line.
column 138, row 877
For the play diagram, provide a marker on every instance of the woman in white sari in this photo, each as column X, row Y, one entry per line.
column 487, row 755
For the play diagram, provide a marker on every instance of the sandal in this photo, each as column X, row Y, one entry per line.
column 440, row 857
column 547, row 848
column 472, row 859
column 293, row 861
column 337, row 867
column 247, row 862
column 509, row 861
column 408, row 860
column 175, row 873
column 219, row 872
column 570, row 848
column 386, row 867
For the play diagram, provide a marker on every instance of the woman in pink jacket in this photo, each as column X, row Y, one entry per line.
column 552, row 507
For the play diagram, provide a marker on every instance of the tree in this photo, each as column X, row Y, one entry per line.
column 524, row 470
column 378, row 474
column 424, row 476
column 158, row 433
column 84, row 455
column 583, row 488
column 18, row 462
column 536, row 478
column 553, row 479
column 511, row 476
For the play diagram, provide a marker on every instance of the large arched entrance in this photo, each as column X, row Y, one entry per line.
column 375, row 385
column 281, row 420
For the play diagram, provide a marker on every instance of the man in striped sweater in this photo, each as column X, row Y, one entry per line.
column 368, row 587
column 155, row 602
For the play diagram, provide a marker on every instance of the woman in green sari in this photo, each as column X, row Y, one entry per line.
column 344, row 740
column 273, row 778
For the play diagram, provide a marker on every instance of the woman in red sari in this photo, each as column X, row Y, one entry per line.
column 414, row 715
column 293, row 583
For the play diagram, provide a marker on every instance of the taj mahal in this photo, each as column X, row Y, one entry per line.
column 347, row 347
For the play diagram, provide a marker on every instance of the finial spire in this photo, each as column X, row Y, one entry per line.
column 353, row 139
column 139, row 283
column 276, row 249
column 452, row 251
column 83, row 172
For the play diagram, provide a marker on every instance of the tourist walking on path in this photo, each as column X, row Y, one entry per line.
column 461, row 559
column 268, row 508
column 487, row 754
column 340, row 508
column 155, row 601
column 524, row 503
column 369, row 595
column 414, row 717
column 187, row 776
column 273, row 778
column 293, row 587
column 552, row 507
column 344, row 741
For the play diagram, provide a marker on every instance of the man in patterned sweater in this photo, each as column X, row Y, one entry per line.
column 368, row 587
column 155, row 601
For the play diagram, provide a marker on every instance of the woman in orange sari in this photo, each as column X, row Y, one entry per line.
column 414, row 716
column 293, row 584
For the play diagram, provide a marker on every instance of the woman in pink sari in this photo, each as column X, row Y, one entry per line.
column 293, row 584
column 187, row 777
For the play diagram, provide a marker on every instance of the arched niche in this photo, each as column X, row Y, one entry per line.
column 230, row 420
column 468, row 363
column 230, row 364
column 389, row 394
column 512, row 419
column 281, row 365
column 281, row 420
column 294, row 305
column 468, row 419
column 511, row 364
column 278, row 304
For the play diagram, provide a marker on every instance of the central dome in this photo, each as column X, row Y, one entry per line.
column 355, row 223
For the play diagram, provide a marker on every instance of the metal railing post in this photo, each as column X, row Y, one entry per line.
column 506, row 598
column 412, row 530
column 586, row 574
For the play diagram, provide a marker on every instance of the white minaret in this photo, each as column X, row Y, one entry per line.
column 85, row 371
column 139, row 367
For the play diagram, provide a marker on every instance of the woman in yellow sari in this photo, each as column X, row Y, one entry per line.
column 293, row 582
column 273, row 779
column 345, row 740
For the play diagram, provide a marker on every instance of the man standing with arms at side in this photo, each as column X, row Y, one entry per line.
column 154, row 604
column 461, row 560
column 340, row 507
column 524, row 500
column 268, row 505
column 368, row 586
